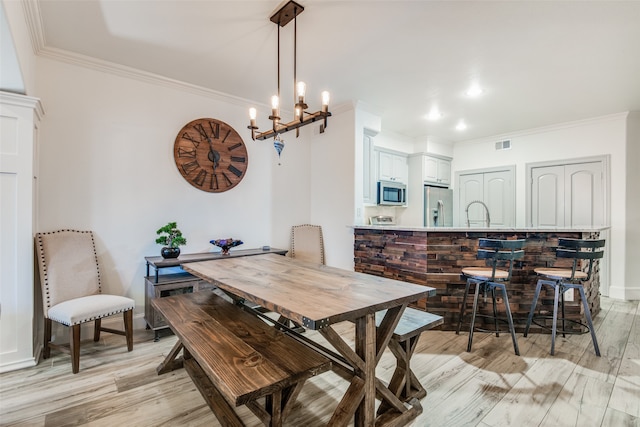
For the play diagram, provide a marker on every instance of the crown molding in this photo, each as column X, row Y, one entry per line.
column 40, row 48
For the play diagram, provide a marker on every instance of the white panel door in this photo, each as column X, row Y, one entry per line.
column 496, row 190
column 471, row 188
column 498, row 196
column 547, row 207
column 584, row 197
column 568, row 195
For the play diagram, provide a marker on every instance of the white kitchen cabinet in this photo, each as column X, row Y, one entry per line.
column 19, row 120
column 392, row 166
column 368, row 171
column 436, row 170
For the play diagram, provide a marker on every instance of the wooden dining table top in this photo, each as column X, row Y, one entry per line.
column 313, row 295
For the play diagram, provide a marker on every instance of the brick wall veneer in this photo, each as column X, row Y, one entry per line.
column 435, row 258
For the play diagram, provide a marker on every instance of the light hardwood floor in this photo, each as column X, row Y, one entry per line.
column 488, row 387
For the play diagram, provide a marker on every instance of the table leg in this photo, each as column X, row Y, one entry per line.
column 366, row 349
column 358, row 403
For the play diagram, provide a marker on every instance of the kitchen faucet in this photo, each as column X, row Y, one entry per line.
column 486, row 209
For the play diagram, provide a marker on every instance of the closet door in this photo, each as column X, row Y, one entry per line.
column 568, row 195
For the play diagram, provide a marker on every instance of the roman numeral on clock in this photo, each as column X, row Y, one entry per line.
column 200, row 178
column 215, row 129
column 226, row 136
column 234, row 170
column 226, row 178
column 201, row 131
column 185, row 135
column 187, row 152
column 189, row 167
column 238, row 159
column 234, row 146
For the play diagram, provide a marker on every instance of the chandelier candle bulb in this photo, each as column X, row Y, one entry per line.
column 275, row 102
column 302, row 88
column 325, row 101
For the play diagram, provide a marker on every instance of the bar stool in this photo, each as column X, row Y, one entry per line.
column 490, row 278
column 562, row 279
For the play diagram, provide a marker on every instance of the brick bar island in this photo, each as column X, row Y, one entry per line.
column 436, row 256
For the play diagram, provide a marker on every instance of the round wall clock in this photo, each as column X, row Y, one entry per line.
column 210, row 155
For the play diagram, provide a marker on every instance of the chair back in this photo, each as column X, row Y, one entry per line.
column 494, row 250
column 68, row 266
column 307, row 243
column 580, row 249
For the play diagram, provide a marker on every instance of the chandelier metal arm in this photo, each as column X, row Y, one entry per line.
column 294, row 124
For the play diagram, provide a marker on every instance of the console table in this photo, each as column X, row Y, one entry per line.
column 164, row 285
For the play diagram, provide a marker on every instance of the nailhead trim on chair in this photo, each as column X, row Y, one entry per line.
column 44, row 268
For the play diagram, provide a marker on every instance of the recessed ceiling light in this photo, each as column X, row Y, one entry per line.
column 461, row 125
column 434, row 114
column 474, row 90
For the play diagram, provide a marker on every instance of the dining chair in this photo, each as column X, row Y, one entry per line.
column 72, row 291
column 488, row 278
column 562, row 279
column 307, row 243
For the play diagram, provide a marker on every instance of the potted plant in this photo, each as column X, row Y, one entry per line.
column 171, row 238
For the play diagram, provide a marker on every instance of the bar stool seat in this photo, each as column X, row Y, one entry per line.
column 559, row 273
column 485, row 273
column 489, row 278
column 562, row 279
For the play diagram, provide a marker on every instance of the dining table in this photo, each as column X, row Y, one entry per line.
column 317, row 297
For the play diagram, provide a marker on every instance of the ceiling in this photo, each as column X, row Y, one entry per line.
column 538, row 62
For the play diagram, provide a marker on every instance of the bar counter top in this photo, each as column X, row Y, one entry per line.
column 484, row 229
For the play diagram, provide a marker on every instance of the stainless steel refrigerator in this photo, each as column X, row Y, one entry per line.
column 438, row 207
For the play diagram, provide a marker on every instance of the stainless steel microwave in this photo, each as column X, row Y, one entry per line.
column 391, row 193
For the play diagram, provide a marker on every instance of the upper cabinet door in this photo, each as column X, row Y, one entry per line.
column 392, row 167
column 436, row 170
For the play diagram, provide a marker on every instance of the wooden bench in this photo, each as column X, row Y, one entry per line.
column 404, row 383
column 234, row 358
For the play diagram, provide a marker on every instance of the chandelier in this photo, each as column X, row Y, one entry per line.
column 282, row 17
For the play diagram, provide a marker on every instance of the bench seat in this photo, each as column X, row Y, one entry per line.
column 404, row 383
column 231, row 353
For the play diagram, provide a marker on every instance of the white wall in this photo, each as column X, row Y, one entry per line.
column 107, row 165
column 632, row 227
column 586, row 138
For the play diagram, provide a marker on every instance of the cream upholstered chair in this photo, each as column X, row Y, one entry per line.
column 71, row 290
column 307, row 243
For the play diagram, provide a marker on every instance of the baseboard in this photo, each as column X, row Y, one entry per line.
column 627, row 293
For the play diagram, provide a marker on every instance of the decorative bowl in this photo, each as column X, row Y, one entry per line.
column 226, row 244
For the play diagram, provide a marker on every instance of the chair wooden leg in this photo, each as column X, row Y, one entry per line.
column 128, row 328
column 97, row 327
column 46, row 351
column 74, row 344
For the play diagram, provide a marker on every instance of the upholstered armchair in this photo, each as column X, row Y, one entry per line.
column 72, row 293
